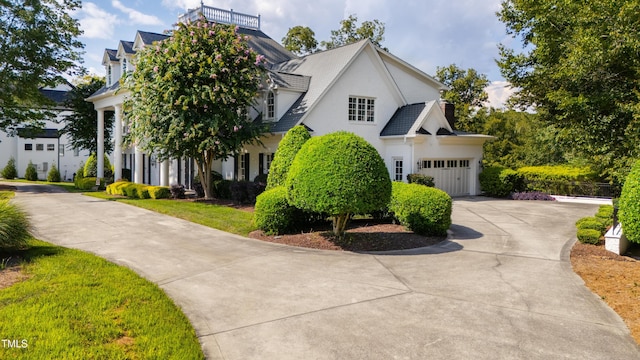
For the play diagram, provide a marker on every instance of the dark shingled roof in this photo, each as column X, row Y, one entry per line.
column 273, row 52
column 105, row 89
column 403, row 120
column 291, row 118
column 38, row 133
column 57, row 96
column 127, row 46
column 112, row 54
column 290, row 81
column 148, row 37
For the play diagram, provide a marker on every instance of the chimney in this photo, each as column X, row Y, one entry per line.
column 449, row 111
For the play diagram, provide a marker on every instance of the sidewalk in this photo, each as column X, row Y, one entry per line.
column 501, row 288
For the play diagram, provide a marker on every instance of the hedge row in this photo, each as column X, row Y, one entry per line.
column 138, row 191
column 592, row 228
column 630, row 205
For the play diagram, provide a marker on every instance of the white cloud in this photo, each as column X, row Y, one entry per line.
column 95, row 22
column 499, row 92
column 136, row 16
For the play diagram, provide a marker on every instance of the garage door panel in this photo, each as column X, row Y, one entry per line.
column 453, row 176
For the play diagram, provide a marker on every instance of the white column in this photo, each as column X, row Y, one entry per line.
column 137, row 176
column 117, row 151
column 164, row 173
column 100, row 150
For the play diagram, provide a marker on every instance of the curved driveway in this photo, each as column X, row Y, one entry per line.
column 501, row 288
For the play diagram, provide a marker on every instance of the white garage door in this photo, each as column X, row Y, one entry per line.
column 450, row 175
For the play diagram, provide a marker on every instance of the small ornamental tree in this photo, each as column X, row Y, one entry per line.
column 340, row 174
column 287, row 150
column 10, row 172
column 630, row 205
column 31, row 173
column 54, row 174
column 190, row 95
column 91, row 167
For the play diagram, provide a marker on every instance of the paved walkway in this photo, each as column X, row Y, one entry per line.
column 502, row 288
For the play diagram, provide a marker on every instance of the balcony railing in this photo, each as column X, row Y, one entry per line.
column 222, row 17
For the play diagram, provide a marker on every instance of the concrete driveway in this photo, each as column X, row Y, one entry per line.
column 501, row 288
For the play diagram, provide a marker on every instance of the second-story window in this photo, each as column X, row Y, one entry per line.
column 109, row 75
column 124, row 65
column 270, row 111
column 361, row 109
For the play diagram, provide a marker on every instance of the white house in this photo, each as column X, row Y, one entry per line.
column 47, row 147
column 359, row 88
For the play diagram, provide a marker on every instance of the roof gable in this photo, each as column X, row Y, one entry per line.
column 144, row 38
column 110, row 55
column 125, row 48
column 403, row 120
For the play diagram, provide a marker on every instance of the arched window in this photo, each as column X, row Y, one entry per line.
column 270, row 111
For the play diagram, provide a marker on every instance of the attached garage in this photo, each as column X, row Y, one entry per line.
column 453, row 176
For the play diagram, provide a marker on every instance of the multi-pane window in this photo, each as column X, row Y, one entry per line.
column 437, row 164
column 61, row 150
column 241, row 167
column 271, row 105
column 109, row 73
column 124, row 65
column 51, row 147
column 452, row 163
column 397, row 169
column 267, row 163
column 361, row 109
column 28, row 147
column 426, row 164
column 464, row 163
column 39, row 147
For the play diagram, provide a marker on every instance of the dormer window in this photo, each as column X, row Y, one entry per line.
column 270, row 110
column 124, row 65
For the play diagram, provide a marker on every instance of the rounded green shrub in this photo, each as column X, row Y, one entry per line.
column 605, row 215
column 10, row 172
column 31, row 173
column 425, row 180
column 593, row 224
column 273, row 214
column 589, row 236
column 339, row 174
column 421, row 209
column 498, row 181
column 286, row 152
column 159, row 192
column 91, row 167
column 14, row 226
column 629, row 205
column 54, row 174
column 87, row 183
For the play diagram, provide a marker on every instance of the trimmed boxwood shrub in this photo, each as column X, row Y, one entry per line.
column 629, row 205
column 117, row 188
column 499, row 181
column 159, row 192
column 273, row 214
column 289, row 146
column 589, row 236
column 605, row 215
column 420, row 179
column 10, row 172
column 591, row 223
column 14, row 226
column 558, row 179
column 423, row 210
column 339, row 174
column 31, row 173
column 88, row 183
column 54, row 174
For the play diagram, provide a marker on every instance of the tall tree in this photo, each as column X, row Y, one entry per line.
column 466, row 93
column 349, row 32
column 81, row 124
column 190, row 95
column 580, row 68
column 300, row 40
column 38, row 47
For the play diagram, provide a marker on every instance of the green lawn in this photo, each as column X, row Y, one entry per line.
column 78, row 306
column 215, row 216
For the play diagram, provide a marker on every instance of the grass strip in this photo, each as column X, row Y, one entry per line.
column 78, row 306
column 214, row 216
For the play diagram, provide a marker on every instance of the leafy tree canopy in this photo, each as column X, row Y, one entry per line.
column 82, row 124
column 580, row 68
column 300, row 40
column 190, row 95
column 466, row 92
column 38, row 46
column 349, row 32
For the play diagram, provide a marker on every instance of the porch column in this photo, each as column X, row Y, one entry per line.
column 117, row 151
column 137, row 176
column 164, row 173
column 100, row 150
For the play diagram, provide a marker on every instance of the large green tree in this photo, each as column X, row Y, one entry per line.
column 38, row 46
column 466, row 93
column 349, row 32
column 300, row 40
column 190, row 95
column 81, row 124
column 580, row 69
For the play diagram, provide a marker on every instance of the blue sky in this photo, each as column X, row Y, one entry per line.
column 425, row 33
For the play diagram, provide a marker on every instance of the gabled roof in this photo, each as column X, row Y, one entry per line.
column 144, row 38
column 103, row 90
column 299, row 83
column 125, row 48
column 57, row 96
column 273, row 52
column 292, row 117
column 110, row 55
column 403, row 119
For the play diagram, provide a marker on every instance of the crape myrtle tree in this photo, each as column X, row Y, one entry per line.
column 38, row 46
column 190, row 95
